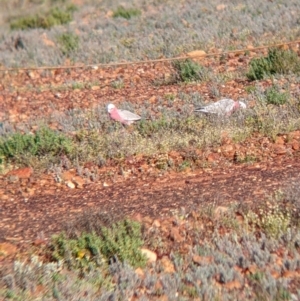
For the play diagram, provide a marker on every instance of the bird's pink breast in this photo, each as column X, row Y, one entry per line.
column 114, row 114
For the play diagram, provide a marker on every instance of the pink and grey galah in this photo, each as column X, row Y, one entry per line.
column 223, row 107
column 123, row 116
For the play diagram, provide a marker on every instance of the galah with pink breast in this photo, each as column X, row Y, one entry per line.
column 123, row 116
column 223, row 107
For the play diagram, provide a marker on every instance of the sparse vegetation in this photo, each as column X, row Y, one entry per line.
column 244, row 251
column 188, row 70
column 69, row 42
column 45, row 142
column 126, row 13
column 118, row 84
column 230, row 253
column 278, row 61
column 54, row 17
column 122, row 241
column 275, row 97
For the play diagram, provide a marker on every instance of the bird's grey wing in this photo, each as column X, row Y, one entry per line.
column 127, row 115
column 210, row 109
column 225, row 105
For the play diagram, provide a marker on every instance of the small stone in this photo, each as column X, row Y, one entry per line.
column 137, row 217
column 279, row 140
column 219, row 211
column 67, row 176
column 235, row 284
column 275, row 274
column 213, row 157
column 291, row 274
column 7, row 249
column 150, row 255
column 175, row 235
column 202, row 260
column 105, row 184
column 295, row 145
column 221, row 6
column 21, row 173
column 156, row 223
column 13, row 179
column 39, row 242
column 167, row 265
column 140, row 272
column 228, row 150
column 70, row 184
column 109, row 13
column 79, row 182
column 197, row 54
column 279, row 149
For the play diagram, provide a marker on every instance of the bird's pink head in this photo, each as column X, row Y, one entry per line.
column 110, row 107
column 239, row 104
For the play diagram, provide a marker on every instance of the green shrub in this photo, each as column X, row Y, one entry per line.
column 278, row 61
column 258, row 69
column 44, row 141
column 122, row 239
column 189, row 70
column 55, row 16
column 68, row 42
column 126, row 13
column 275, row 97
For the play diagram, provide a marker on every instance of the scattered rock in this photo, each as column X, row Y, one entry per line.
column 202, row 260
column 21, row 173
column 79, row 182
column 197, row 54
column 221, row 6
column 213, row 157
column 291, row 274
column 235, row 284
column 156, row 223
column 39, row 242
column 140, row 272
column 70, row 184
column 228, row 150
column 219, row 211
column 167, row 265
column 175, row 235
column 67, row 175
column 7, row 249
column 279, row 140
column 279, row 149
column 150, row 255
column 295, row 145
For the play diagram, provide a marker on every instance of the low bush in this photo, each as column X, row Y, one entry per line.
column 126, row 13
column 55, row 16
column 189, row 70
column 45, row 141
column 278, row 61
column 121, row 240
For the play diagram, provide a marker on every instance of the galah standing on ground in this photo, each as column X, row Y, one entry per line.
column 225, row 107
column 122, row 116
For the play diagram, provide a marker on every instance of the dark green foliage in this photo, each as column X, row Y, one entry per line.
column 126, row 13
column 189, row 70
column 45, row 141
column 259, row 69
column 278, row 61
column 275, row 97
column 122, row 239
column 69, row 42
column 55, row 16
